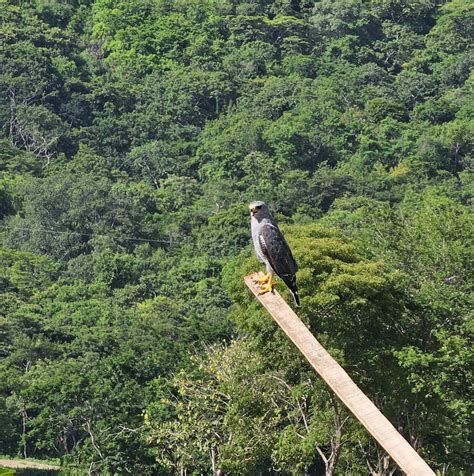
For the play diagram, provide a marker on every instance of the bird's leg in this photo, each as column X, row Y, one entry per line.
column 268, row 288
column 264, row 279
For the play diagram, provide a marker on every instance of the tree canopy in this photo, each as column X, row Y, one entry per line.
column 132, row 136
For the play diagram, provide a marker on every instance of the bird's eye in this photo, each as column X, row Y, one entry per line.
column 258, row 207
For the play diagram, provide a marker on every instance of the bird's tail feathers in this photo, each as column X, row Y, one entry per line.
column 296, row 297
column 290, row 281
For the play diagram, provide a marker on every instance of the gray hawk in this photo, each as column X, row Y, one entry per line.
column 272, row 250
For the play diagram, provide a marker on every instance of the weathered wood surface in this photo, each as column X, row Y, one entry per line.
column 339, row 381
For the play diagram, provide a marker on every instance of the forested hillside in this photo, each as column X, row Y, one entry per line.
column 133, row 134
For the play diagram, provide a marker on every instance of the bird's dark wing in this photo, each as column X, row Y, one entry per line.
column 276, row 250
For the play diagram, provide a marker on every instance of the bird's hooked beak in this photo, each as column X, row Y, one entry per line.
column 253, row 210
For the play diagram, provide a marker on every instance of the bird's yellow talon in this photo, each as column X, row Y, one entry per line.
column 264, row 279
column 268, row 288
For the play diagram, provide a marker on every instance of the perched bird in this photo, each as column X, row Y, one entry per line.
column 272, row 250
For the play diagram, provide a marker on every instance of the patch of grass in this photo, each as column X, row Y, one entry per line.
column 7, row 472
column 7, row 461
column 28, row 472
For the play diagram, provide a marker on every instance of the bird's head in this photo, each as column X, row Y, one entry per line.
column 259, row 209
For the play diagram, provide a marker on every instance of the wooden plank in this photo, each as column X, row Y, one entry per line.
column 340, row 382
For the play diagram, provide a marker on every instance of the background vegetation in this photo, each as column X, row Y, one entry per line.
column 134, row 133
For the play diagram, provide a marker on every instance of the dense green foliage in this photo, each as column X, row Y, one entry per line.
column 132, row 136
